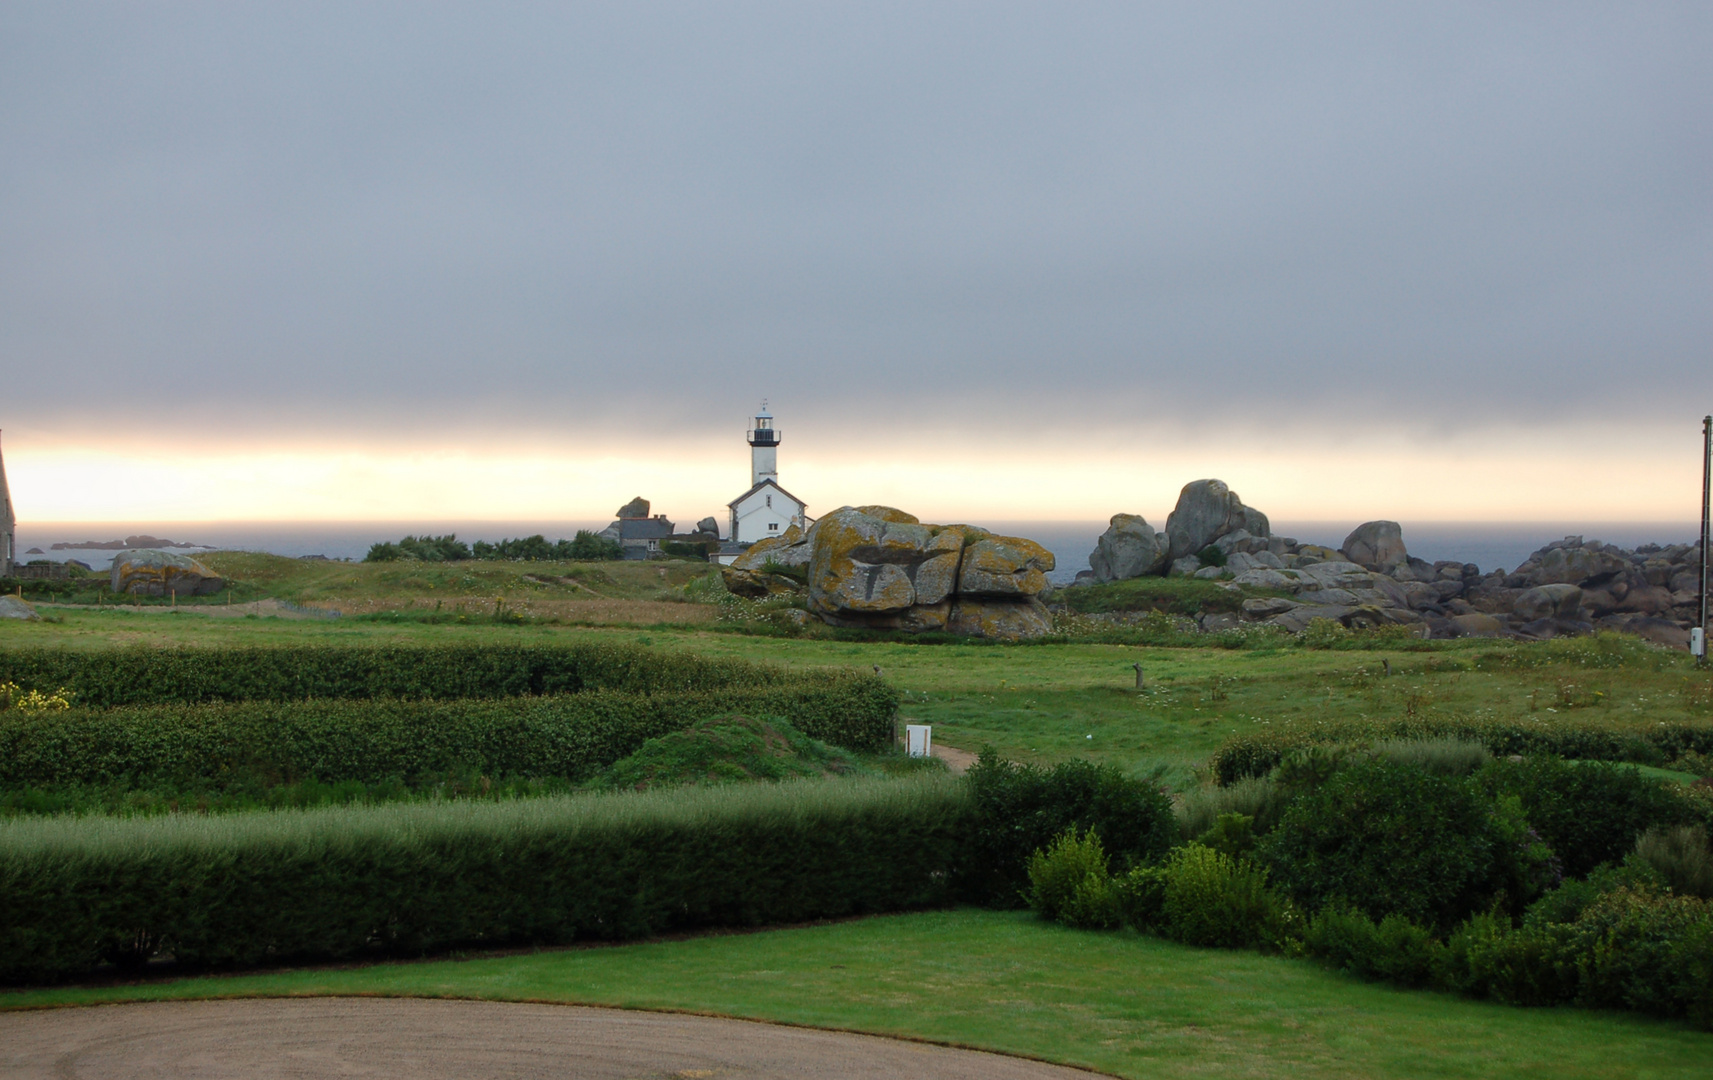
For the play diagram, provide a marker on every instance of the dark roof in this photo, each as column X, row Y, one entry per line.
column 643, row 528
column 775, row 486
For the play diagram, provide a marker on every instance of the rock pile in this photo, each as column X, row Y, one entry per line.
column 1568, row 587
column 162, row 573
column 880, row 568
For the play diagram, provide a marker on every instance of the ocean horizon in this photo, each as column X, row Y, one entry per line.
column 1488, row 544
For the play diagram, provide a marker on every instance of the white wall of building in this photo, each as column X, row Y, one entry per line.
column 766, row 511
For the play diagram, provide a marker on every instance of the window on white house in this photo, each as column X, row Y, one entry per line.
column 773, row 526
column 770, row 501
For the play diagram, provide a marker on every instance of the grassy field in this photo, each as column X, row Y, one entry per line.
column 1051, row 702
column 1124, row 1004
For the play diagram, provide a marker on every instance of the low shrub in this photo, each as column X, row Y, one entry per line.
column 406, row 879
column 1231, row 834
column 1588, row 812
column 1070, row 882
column 1534, row 965
column 1019, row 809
column 1210, row 898
column 149, row 676
column 1388, row 839
column 1585, row 738
column 267, row 743
column 1394, row 949
column 728, row 749
column 1442, row 757
column 1642, row 950
column 1680, row 857
column 1256, row 798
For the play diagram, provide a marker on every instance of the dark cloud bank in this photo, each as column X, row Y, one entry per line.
column 1437, row 213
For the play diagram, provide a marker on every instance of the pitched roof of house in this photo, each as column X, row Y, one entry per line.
column 774, row 484
column 643, row 528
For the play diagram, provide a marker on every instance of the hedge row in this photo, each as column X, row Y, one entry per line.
column 151, row 676
column 323, row 884
column 267, row 743
column 1257, row 753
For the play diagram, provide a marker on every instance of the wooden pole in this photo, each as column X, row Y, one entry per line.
column 1138, row 668
column 1706, row 480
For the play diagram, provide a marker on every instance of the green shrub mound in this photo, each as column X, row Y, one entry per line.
column 150, row 676
column 261, row 744
column 1392, row 839
column 1584, row 739
column 729, row 749
column 1019, row 809
column 1589, row 812
column 323, row 884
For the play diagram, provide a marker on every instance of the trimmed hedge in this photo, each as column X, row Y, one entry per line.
column 1257, row 754
column 348, row 882
column 150, row 676
column 267, row 743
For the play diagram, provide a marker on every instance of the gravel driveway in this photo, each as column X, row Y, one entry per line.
column 425, row 1040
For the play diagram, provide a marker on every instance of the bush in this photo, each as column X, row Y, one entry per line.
column 406, row 879
column 1531, row 966
column 1394, row 949
column 1585, row 738
column 1387, row 839
column 149, row 676
column 729, row 749
column 1018, row 809
column 424, row 548
column 1680, row 857
column 250, row 744
column 1638, row 949
column 1442, row 757
column 1588, row 812
column 1209, row 898
column 1256, row 798
column 1232, row 834
column 1211, row 556
column 1070, row 882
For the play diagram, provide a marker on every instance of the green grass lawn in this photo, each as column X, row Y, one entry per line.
column 1125, row 1004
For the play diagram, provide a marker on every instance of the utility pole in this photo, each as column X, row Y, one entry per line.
column 1699, row 644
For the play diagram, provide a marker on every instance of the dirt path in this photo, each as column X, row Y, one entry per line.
column 956, row 760
column 426, row 1040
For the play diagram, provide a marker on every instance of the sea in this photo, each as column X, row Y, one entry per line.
column 1490, row 545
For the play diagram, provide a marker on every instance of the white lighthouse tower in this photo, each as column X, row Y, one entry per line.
column 763, row 448
column 766, row 509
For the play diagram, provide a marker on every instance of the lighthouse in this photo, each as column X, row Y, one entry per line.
column 766, row 509
column 763, row 448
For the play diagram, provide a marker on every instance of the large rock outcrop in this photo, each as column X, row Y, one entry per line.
column 1129, row 548
column 1376, row 545
column 1206, row 511
column 1568, row 587
column 880, row 568
column 148, row 572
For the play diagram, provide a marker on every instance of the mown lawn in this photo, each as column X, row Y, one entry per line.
column 1125, row 1004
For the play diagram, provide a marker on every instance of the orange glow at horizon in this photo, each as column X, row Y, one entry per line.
column 1517, row 477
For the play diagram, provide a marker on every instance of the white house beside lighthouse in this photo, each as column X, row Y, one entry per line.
column 766, row 509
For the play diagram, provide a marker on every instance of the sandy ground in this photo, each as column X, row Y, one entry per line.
column 383, row 1038
column 958, row 761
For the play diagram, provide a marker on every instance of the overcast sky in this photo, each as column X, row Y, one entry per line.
column 1196, row 233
